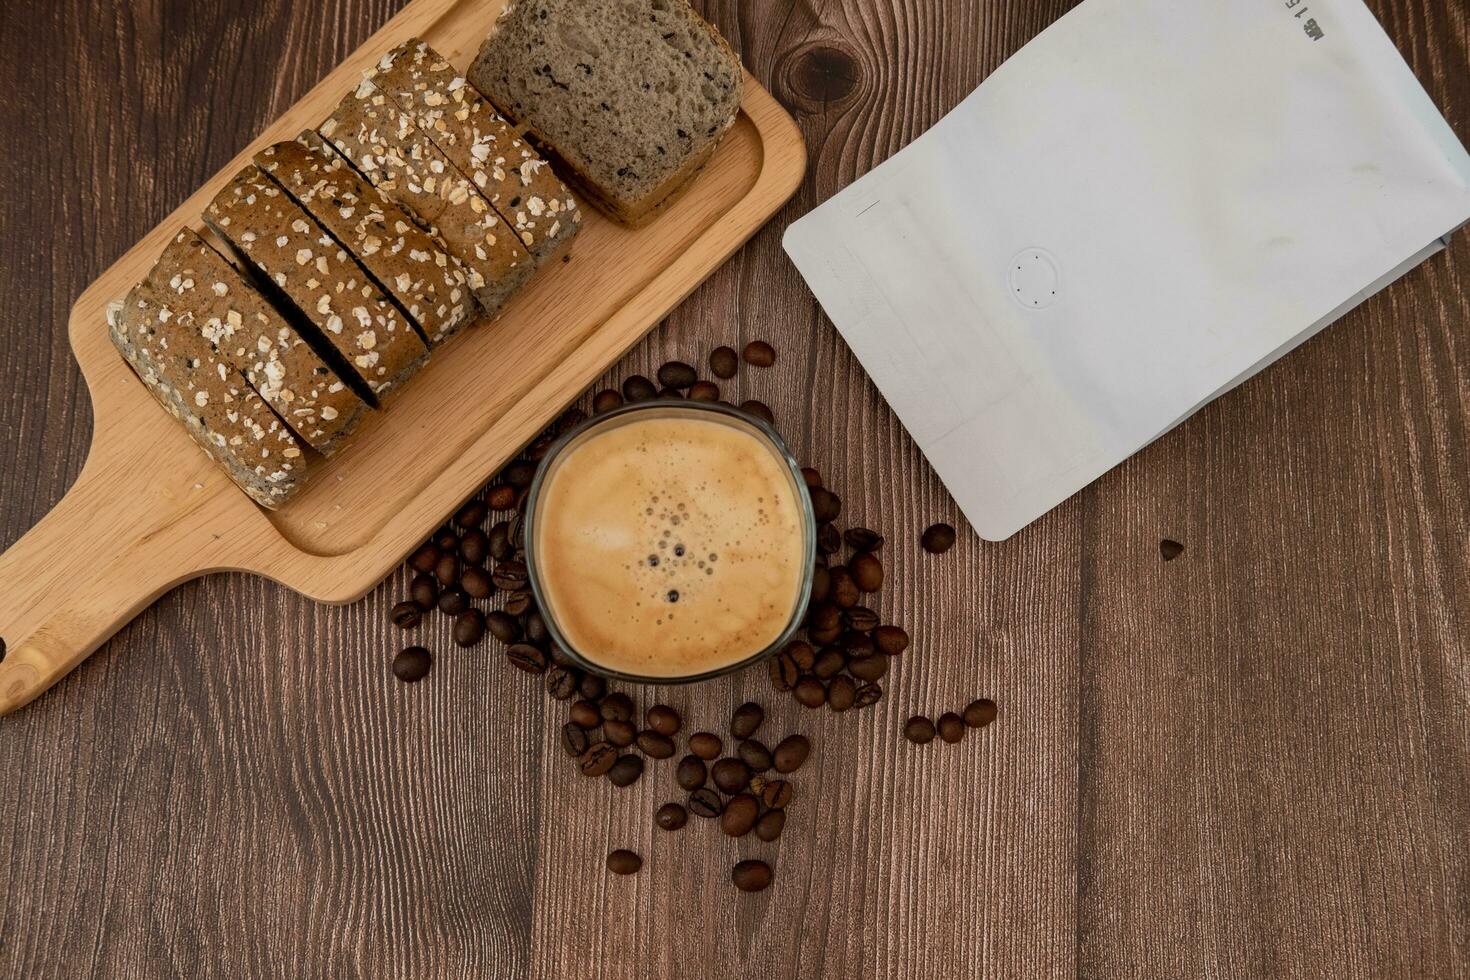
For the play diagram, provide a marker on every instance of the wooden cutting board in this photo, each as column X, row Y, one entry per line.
column 150, row 511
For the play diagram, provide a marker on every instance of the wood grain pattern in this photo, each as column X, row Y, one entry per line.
column 1249, row 761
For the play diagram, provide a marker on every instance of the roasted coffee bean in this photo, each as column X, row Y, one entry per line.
column 469, row 628
column 730, row 775
column 868, row 694
column 704, row 391
column 540, row 448
column 919, row 730
column 821, row 584
column 561, row 658
column 446, row 540
column 425, row 558
column 705, row 802
column 758, row 353
column 510, row 575
column 724, row 362
column 425, row 591
column 606, row 400
column 869, row 668
column 476, row 582
column 561, row 683
column 856, row 643
column 621, row 862
column 706, row 745
column 654, row 745
column 407, row 615
column 526, row 657
column 517, row 532
column 841, row 693
column 670, row 394
column 783, row 672
column 862, row 539
column 980, row 712
column 617, row 707
column 517, row 602
column 825, row 636
column 585, row 713
column 951, row 727
column 663, row 719
column 535, row 627
column 500, row 546
column 751, row 876
column 802, row 654
column 891, row 640
column 574, row 740
column 829, row 539
column 593, row 687
column 845, row 593
column 625, row 771
column 776, row 793
column 453, row 601
column 569, row 420
column 598, row 759
column 770, row 825
column 811, row 476
column 412, row 664
column 639, row 389
column 824, row 617
column 826, row 505
column 503, row 627
column 867, row 572
column 758, row 409
column 790, row 753
column 690, row 773
column 472, row 514
column 938, row 539
column 474, row 547
column 671, row 816
column 830, row 662
column 861, row 618
column 620, row 733
column 810, row 692
column 447, row 570
column 501, row 497
column 677, row 374
column 746, row 719
column 739, row 815
column 754, row 754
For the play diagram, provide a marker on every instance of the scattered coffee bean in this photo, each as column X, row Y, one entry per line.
column 517, row 602
column 502, row 497
column 620, row 733
column 751, row 876
column 670, row 394
column 690, row 773
column 639, row 389
column 503, row 627
column 810, row 692
column 535, row 627
column 704, row 391
column 706, row 745
column 746, row 719
column 856, row 643
column 824, row 617
column 412, row 664
column 759, row 410
column 540, row 448
column 821, row 635
column 770, row 825
column 446, row 540
column 407, row 615
column 474, row 547
column 447, row 570
column 868, row 694
column 671, row 816
column 617, row 707
column 783, row 672
column 890, row 640
column 585, row 713
column 812, row 477
column 510, row 575
column 476, row 582
column 830, row 662
column 938, row 539
column 500, row 546
column 919, row 730
column 705, row 803
column 829, row 539
column 860, row 618
column 739, row 815
column 663, row 719
column 520, row 473
column 574, row 740
column 776, row 793
column 453, row 601
column 821, row 584
column 525, row 657
column 862, row 539
column 606, row 400
column 677, row 374
column 724, row 362
column 425, row 591
column 980, row 712
column 845, row 592
column 561, row 683
column 754, row 754
column 621, row 862
column 951, row 727
column 1170, row 549
column 841, row 693
column 802, row 654
column 826, row 505
column 425, row 558
column 758, row 353
column 867, row 572
column 561, row 658
column 869, row 668
column 654, row 745
column 469, row 628
column 791, row 753
column 730, row 775
column 598, row 759
column 593, row 687
column 471, row 515
column 625, row 771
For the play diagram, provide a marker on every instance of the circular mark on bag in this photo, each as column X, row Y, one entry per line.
column 1035, row 278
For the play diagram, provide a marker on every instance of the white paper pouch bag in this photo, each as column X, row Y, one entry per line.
column 1149, row 203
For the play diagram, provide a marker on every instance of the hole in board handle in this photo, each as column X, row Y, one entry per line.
column 1170, row 549
column 2, row 649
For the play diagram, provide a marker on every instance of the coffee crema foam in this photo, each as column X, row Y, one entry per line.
column 670, row 546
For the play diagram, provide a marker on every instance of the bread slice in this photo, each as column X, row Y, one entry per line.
column 389, row 149
column 409, row 264
column 518, row 183
column 633, row 95
column 207, row 293
column 202, row 390
column 331, row 300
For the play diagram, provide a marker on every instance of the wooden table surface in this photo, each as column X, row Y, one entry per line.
column 1251, row 761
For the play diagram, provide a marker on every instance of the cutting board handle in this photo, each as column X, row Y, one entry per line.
column 125, row 533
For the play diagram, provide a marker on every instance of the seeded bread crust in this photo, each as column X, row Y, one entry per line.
column 389, row 149
column 478, row 140
column 206, row 292
column 407, row 262
column 227, row 419
column 335, row 297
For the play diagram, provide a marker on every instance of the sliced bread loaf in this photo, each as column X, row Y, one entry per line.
column 518, row 183
column 633, row 95
column 389, row 149
column 411, row 266
column 219, row 409
column 332, row 301
column 207, row 293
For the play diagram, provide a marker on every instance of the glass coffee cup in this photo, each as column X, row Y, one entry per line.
column 670, row 542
